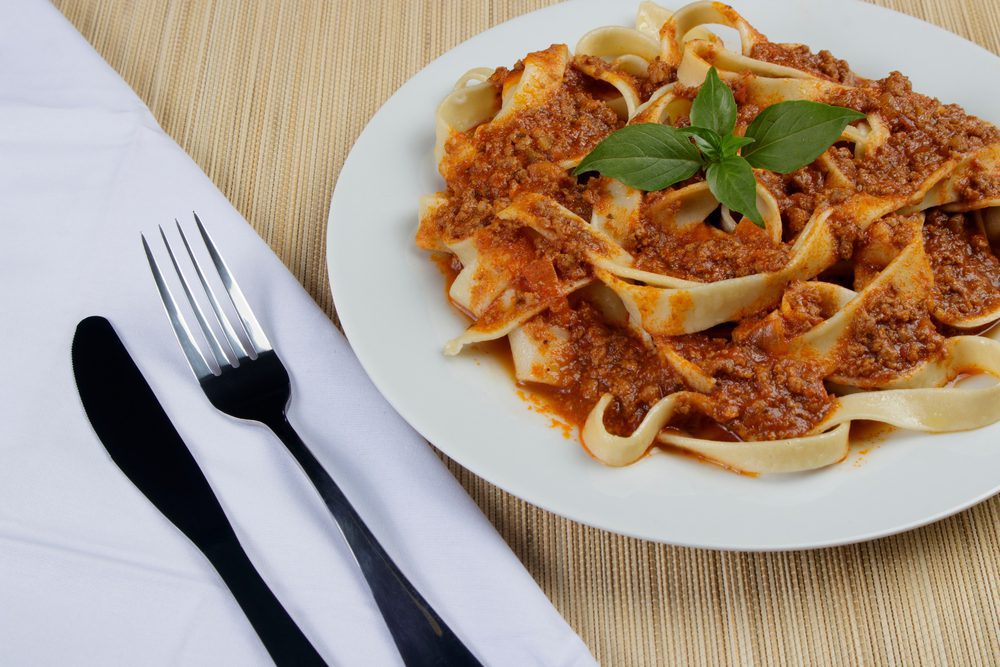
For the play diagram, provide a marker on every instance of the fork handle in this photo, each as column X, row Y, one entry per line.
column 421, row 636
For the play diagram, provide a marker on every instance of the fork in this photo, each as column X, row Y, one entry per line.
column 255, row 386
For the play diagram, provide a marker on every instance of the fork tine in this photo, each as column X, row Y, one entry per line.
column 250, row 324
column 227, row 328
column 188, row 346
column 213, row 342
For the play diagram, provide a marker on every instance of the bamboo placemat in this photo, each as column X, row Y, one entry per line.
column 257, row 92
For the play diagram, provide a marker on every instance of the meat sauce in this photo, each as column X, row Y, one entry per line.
column 924, row 134
column 887, row 337
column 498, row 163
column 759, row 391
column 798, row 56
column 704, row 252
column 966, row 272
column 606, row 358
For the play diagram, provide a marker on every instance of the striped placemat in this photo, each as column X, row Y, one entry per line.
column 255, row 92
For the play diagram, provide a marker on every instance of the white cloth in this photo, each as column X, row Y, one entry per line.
column 90, row 572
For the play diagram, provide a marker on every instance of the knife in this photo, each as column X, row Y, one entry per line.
column 143, row 443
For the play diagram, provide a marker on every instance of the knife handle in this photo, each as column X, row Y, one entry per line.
column 280, row 635
column 421, row 636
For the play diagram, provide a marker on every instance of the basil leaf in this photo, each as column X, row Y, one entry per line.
column 714, row 106
column 647, row 156
column 790, row 135
column 732, row 144
column 708, row 141
column 731, row 181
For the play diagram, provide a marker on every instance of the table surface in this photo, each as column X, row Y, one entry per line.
column 253, row 91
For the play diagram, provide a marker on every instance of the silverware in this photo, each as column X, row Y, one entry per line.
column 142, row 442
column 253, row 384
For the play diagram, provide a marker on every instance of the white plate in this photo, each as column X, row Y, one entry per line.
column 392, row 304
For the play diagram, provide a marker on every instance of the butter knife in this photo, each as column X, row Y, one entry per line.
column 143, row 443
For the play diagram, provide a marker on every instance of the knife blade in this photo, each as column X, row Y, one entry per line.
column 143, row 443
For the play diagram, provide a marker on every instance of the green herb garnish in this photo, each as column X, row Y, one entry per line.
column 782, row 138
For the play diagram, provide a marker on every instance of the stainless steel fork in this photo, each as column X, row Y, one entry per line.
column 254, row 385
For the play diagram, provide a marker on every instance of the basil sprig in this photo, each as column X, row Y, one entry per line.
column 782, row 138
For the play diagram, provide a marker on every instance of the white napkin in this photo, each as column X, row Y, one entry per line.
column 90, row 572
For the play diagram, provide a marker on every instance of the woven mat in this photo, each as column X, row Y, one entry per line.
column 253, row 91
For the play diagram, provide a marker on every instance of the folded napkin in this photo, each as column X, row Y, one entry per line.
column 90, row 572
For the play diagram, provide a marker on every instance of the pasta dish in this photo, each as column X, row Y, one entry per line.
column 765, row 298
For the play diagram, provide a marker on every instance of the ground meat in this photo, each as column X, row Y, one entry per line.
column 570, row 123
column 757, row 396
column 745, row 114
column 659, row 74
column 924, row 134
column 802, row 308
column 762, row 397
column 703, row 253
column 460, row 216
column 700, row 346
column 608, row 359
column 845, row 233
column 966, row 272
column 468, row 209
column 485, row 168
column 981, row 183
column 889, row 335
column 796, row 204
column 801, row 193
column 798, row 56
